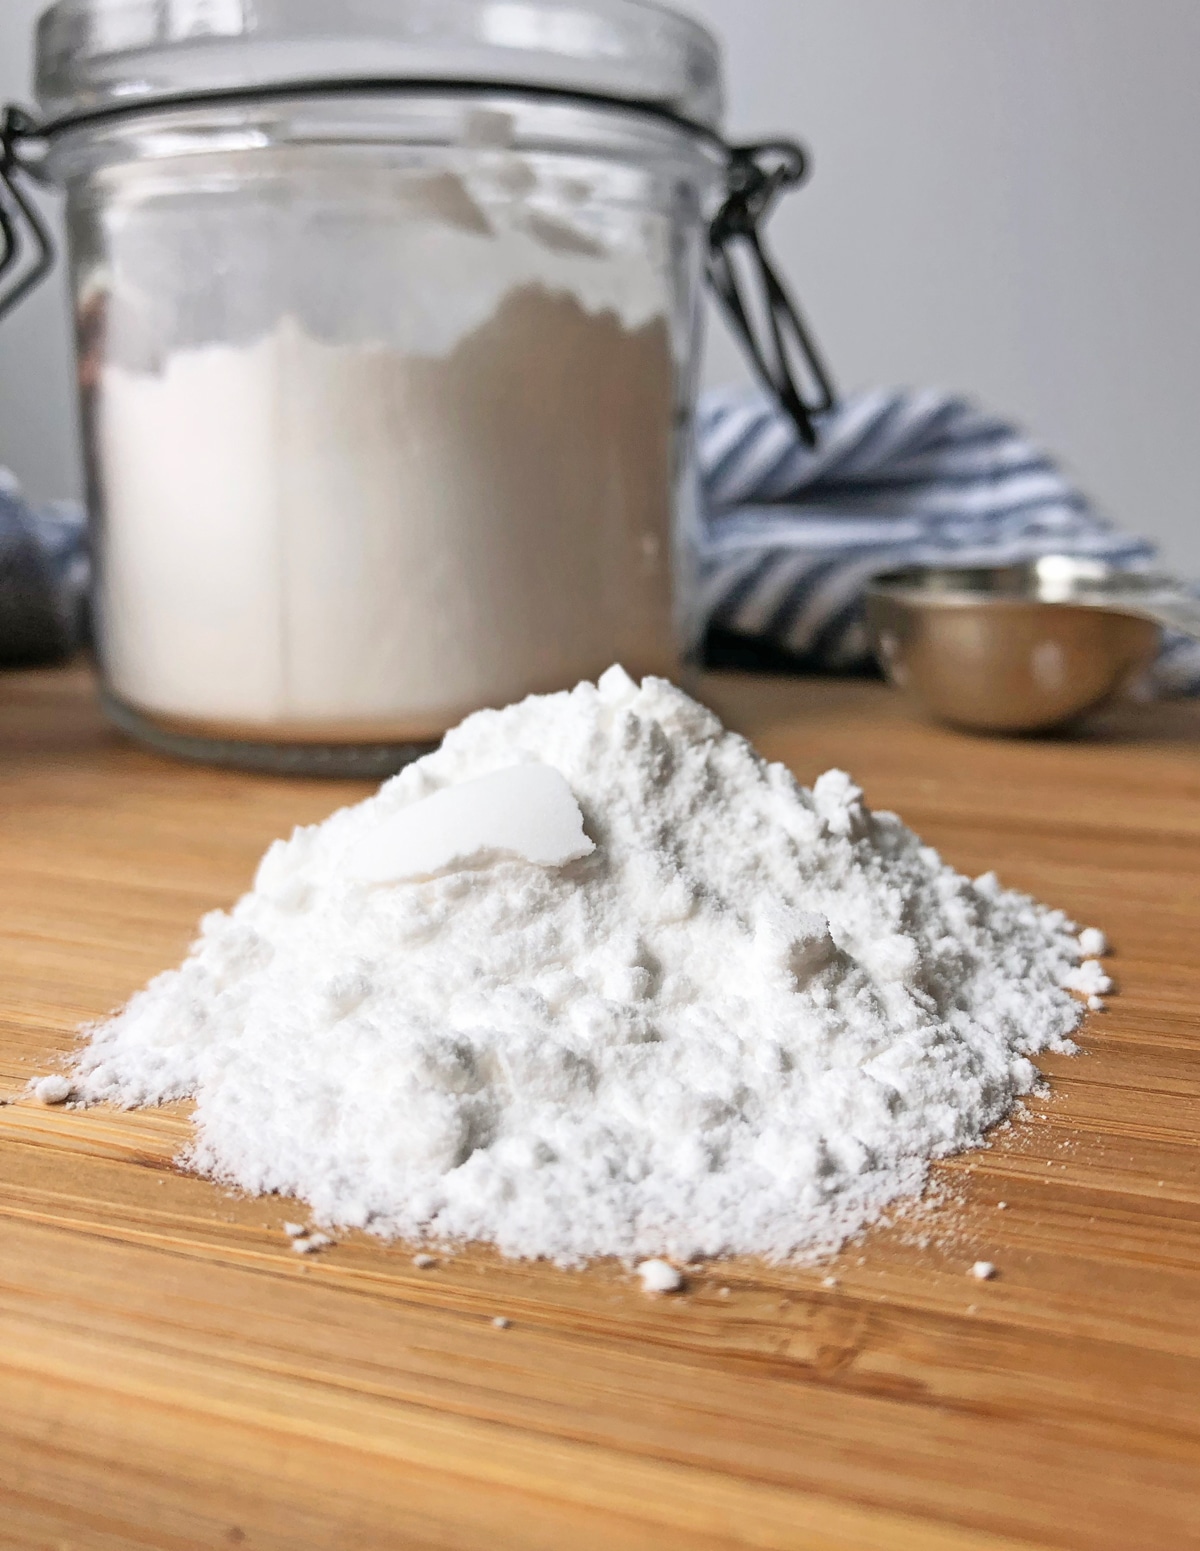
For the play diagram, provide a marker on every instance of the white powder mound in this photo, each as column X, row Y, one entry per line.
column 744, row 1022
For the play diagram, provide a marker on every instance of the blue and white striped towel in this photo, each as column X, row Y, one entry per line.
column 791, row 535
column 43, row 578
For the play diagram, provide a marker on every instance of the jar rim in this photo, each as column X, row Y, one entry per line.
column 102, row 55
column 428, row 115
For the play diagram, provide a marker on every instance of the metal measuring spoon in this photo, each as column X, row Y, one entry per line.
column 1022, row 648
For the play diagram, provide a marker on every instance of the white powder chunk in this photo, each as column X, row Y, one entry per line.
column 829, row 1281
column 501, row 1323
column 526, row 811
column 659, row 1276
column 1093, row 944
column 983, row 1270
column 744, row 1022
column 294, row 1230
column 54, row 1089
column 1096, row 1003
column 424, row 1262
column 1088, row 979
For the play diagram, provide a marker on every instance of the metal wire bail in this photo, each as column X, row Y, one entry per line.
column 20, row 222
column 778, row 343
column 755, row 298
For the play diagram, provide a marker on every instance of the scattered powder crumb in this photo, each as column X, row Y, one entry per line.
column 501, row 1323
column 294, row 1230
column 829, row 1281
column 739, row 1016
column 1093, row 944
column 972, row 1308
column 659, row 1276
column 55, row 1089
column 313, row 1242
column 424, row 1262
column 983, row 1270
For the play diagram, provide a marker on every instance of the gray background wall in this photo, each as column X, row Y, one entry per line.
column 1006, row 201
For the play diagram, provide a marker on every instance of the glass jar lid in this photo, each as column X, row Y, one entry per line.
column 97, row 55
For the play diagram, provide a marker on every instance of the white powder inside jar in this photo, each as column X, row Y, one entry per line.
column 368, row 539
column 744, row 1022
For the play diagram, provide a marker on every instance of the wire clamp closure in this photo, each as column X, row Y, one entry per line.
column 746, row 282
column 20, row 223
column 763, row 314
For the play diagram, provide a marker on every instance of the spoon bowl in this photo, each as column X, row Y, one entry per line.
column 1022, row 648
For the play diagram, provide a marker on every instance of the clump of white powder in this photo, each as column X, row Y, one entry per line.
column 659, row 1276
column 745, row 1021
column 54, row 1089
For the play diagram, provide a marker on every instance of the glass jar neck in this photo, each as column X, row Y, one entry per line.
column 474, row 115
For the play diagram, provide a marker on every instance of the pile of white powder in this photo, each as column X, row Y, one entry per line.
column 743, row 1021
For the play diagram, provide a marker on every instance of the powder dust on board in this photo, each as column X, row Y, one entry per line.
column 740, row 1017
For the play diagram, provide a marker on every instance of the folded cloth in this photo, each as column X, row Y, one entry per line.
column 43, row 578
column 791, row 535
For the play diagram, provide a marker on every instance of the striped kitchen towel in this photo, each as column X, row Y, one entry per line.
column 791, row 535
column 43, row 577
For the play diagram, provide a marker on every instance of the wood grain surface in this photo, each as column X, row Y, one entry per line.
column 173, row 1375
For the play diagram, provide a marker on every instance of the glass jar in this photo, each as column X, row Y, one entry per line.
column 388, row 316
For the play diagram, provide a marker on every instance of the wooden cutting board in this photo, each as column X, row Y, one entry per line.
column 173, row 1375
